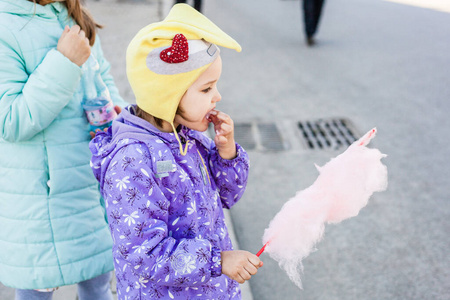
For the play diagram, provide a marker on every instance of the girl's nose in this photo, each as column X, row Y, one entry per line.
column 217, row 97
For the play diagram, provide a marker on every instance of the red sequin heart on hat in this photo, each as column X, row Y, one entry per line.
column 179, row 51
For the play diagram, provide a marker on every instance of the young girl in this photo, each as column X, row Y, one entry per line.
column 165, row 183
column 53, row 227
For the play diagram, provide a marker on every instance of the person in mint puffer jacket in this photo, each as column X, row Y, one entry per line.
column 52, row 218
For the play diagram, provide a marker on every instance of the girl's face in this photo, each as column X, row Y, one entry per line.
column 200, row 99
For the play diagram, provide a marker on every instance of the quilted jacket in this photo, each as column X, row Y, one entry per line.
column 53, row 226
column 165, row 210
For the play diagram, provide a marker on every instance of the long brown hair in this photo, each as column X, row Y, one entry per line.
column 81, row 16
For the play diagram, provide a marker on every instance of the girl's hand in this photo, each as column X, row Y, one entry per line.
column 240, row 265
column 224, row 129
column 74, row 45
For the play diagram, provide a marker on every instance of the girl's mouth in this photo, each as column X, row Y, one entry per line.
column 212, row 112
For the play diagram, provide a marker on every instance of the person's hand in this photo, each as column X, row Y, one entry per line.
column 118, row 109
column 224, row 129
column 97, row 130
column 240, row 265
column 74, row 45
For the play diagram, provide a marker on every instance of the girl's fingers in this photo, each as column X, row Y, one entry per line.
column 224, row 129
column 223, row 124
column 251, row 269
column 65, row 31
column 214, row 119
column 218, row 117
column 118, row 109
column 240, row 279
column 82, row 34
column 245, row 275
column 75, row 29
column 223, row 118
column 220, row 140
column 255, row 261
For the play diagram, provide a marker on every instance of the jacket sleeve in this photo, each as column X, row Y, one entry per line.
column 230, row 175
column 29, row 102
column 138, row 214
column 108, row 79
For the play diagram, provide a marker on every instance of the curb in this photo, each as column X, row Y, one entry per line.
column 245, row 287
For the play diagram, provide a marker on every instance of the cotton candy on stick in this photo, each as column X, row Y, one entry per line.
column 343, row 187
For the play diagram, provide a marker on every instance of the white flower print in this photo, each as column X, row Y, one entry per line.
column 192, row 209
column 183, row 175
column 142, row 281
column 222, row 233
column 130, row 218
column 142, row 247
column 158, row 264
column 122, row 183
column 145, row 172
column 183, row 263
column 216, row 261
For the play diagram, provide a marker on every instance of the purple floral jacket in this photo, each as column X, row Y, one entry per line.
column 165, row 210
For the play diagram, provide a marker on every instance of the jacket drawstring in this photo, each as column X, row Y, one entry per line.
column 183, row 152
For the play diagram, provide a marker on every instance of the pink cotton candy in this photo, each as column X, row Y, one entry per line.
column 342, row 188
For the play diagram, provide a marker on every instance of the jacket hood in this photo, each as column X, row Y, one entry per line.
column 125, row 130
column 28, row 8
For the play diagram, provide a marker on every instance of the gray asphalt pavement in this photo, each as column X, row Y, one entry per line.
column 380, row 65
column 376, row 64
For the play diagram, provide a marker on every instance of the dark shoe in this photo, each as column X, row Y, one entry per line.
column 310, row 41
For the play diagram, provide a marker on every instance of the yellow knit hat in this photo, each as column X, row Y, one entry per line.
column 159, row 82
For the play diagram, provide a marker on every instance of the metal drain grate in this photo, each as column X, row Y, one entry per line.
column 327, row 134
column 270, row 138
column 244, row 136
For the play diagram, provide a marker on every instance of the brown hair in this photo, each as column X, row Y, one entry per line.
column 146, row 116
column 81, row 16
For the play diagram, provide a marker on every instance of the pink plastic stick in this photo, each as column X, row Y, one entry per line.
column 262, row 249
column 366, row 139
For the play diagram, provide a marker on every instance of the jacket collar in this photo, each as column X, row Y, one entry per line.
column 129, row 124
column 29, row 8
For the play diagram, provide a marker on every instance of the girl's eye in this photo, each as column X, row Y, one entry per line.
column 206, row 90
